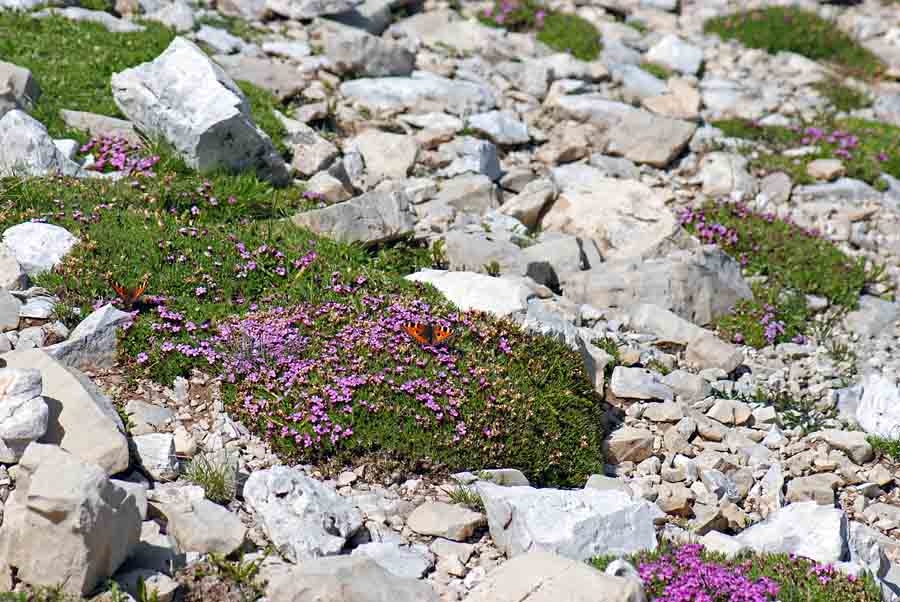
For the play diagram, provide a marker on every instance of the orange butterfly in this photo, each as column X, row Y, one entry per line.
column 427, row 334
column 130, row 296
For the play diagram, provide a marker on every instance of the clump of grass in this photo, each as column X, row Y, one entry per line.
column 778, row 28
column 842, row 97
column 656, row 70
column 468, row 497
column 215, row 474
column 220, row 578
column 885, row 446
column 73, row 62
column 867, row 148
column 560, row 31
column 613, row 348
column 795, row 263
column 696, row 574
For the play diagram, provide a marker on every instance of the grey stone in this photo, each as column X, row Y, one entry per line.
column 576, row 524
column 468, row 290
column 803, row 528
column 422, row 92
column 26, row 149
column 410, row 562
column 371, row 218
column 471, row 155
column 76, row 13
column 94, row 343
column 156, row 454
column 697, row 285
column 444, row 520
column 278, row 77
column 345, row 578
column 162, row 98
column 676, row 54
column 302, row 517
column 541, row 576
column 82, row 420
column 639, row 383
column 95, row 523
column 309, row 9
column 23, row 410
column 205, row 527
column 18, row 86
column 501, row 127
column 628, row 444
column 356, row 52
column 632, row 133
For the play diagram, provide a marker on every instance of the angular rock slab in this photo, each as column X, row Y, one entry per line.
column 633, row 133
column 697, row 285
column 878, row 412
column 26, row 149
column 65, row 523
column 541, row 576
column 204, row 527
column 422, row 92
column 94, row 342
column 301, row 516
column 82, row 421
column 345, row 579
column 187, row 100
column 576, row 524
column 803, row 528
column 468, row 290
column 371, row 218
column 309, row 9
column 23, row 412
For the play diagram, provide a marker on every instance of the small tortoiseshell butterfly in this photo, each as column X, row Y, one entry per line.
column 427, row 334
column 130, row 296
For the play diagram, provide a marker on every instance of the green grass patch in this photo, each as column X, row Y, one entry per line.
column 339, row 355
column 888, row 447
column 696, row 574
column 74, row 61
column 867, row 148
column 776, row 29
column 560, row 31
column 795, row 263
column 841, row 96
column 656, row 70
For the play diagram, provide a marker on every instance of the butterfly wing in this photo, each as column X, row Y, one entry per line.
column 440, row 334
column 138, row 291
column 419, row 332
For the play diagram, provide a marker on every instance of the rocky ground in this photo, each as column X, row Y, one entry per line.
column 561, row 193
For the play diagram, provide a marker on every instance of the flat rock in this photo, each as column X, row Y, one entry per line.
column 577, row 524
column 422, row 92
column 468, row 290
column 371, row 218
column 449, row 521
column 803, row 528
column 632, row 133
column 639, row 383
column 541, row 576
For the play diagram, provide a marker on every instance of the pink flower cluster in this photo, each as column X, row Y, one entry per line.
column 118, row 154
column 685, row 577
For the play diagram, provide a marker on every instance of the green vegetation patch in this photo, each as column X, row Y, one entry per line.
column 795, row 262
column 867, row 148
column 656, row 70
column 689, row 572
column 560, row 31
column 309, row 332
column 73, row 61
column 778, row 28
column 888, row 447
column 841, row 96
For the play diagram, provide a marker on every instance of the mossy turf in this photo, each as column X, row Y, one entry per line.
column 778, row 28
column 795, row 579
column 793, row 262
column 560, row 31
column 875, row 146
column 221, row 254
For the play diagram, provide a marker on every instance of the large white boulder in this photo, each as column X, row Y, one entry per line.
column 187, row 100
